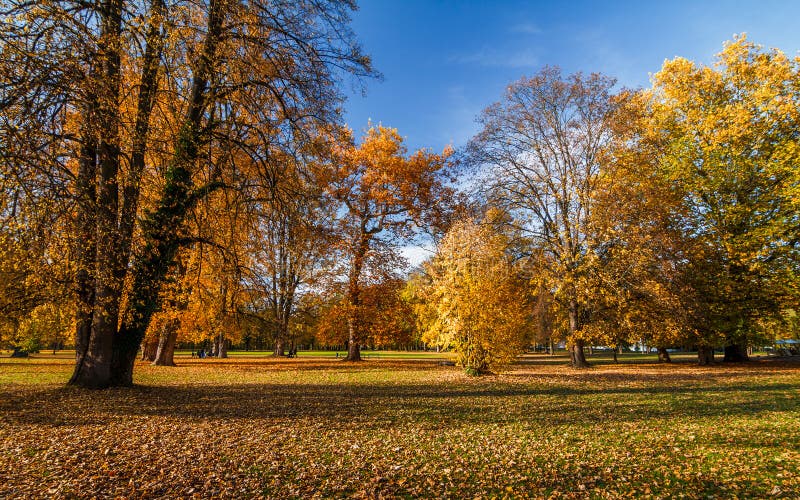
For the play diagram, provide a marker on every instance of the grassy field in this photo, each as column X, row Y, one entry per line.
column 367, row 354
column 318, row 427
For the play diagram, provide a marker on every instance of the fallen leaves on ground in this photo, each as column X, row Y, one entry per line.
column 309, row 428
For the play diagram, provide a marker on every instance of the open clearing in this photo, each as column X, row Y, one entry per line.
column 305, row 427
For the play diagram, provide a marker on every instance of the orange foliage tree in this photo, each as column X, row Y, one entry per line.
column 386, row 193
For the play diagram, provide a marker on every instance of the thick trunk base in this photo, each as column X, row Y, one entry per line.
column 221, row 348
column 122, row 366
column 663, row 356
column 92, row 374
column 280, row 349
column 735, row 353
column 576, row 356
column 353, row 352
column 94, row 369
column 166, row 346
column 149, row 349
column 705, row 356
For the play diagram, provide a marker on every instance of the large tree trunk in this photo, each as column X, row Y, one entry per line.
column 353, row 350
column 166, row 344
column 663, row 355
column 93, row 369
column 122, row 365
column 149, row 349
column 280, row 346
column 735, row 353
column 576, row 355
column 85, row 252
column 221, row 346
column 705, row 355
column 161, row 228
column 108, row 288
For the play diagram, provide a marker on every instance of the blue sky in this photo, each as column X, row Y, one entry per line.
column 444, row 61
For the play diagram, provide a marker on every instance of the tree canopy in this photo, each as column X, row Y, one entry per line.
column 178, row 172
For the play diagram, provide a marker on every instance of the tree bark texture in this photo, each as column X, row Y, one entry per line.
column 576, row 355
column 705, row 355
column 166, row 344
column 95, row 329
column 663, row 355
column 735, row 353
column 149, row 349
column 354, row 298
column 221, row 350
column 85, row 253
column 280, row 347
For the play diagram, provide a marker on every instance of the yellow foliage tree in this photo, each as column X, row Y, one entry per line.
column 476, row 298
column 729, row 148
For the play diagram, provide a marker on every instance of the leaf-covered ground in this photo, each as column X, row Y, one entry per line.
column 305, row 428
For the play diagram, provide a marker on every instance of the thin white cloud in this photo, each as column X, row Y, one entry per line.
column 492, row 58
column 525, row 29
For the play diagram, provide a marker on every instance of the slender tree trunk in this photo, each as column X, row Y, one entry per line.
column 148, row 85
column 166, row 345
column 284, row 309
column 735, row 353
column 615, row 355
column 354, row 299
column 705, row 355
column 221, row 351
column 663, row 355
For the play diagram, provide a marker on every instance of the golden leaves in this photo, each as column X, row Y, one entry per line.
column 475, row 301
column 304, row 428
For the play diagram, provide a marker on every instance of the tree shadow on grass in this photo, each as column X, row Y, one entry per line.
column 586, row 399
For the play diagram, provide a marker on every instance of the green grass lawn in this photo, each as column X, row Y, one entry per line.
column 368, row 354
column 398, row 428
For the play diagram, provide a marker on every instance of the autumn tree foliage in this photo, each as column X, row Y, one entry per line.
column 730, row 151
column 35, row 303
column 386, row 318
column 637, row 280
column 474, row 298
column 102, row 97
column 386, row 193
column 292, row 236
column 543, row 143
